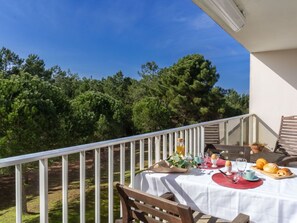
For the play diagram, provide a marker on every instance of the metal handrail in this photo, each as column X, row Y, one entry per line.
column 11, row 161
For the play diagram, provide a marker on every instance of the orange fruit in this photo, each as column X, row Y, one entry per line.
column 260, row 163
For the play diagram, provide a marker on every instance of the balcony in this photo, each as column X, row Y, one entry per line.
column 123, row 158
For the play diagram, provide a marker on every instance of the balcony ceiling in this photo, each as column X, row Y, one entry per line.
column 270, row 24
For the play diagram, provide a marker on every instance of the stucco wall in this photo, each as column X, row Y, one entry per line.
column 273, row 89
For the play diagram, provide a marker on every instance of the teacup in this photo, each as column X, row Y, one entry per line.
column 249, row 174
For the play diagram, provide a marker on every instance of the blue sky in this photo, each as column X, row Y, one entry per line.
column 100, row 37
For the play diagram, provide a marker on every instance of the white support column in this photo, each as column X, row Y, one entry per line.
column 110, row 184
column 164, row 146
column 43, row 190
column 141, row 155
column 195, row 142
column 18, row 193
column 186, row 142
column 170, row 144
column 97, row 185
column 132, row 167
column 226, row 132
column 122, row 170
column 202, row 139
column 241, row 132
column 157, row 149
column 150, row 154
column 65, row 188
column 82, row 187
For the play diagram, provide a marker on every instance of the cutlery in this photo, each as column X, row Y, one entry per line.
column 223, row 172
column 232, row 180
column 210, row 172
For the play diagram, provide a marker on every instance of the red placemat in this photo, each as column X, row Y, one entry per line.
column 220, row 164
column 220, row 179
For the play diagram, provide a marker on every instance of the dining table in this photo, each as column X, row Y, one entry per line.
column 270, row 200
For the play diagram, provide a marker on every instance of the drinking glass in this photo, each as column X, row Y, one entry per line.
column 201, row 159
column 188, row 157
column 205, row 159
column 241, row 165
column 236, row 177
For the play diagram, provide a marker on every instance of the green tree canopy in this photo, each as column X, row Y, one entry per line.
column 32, row 114
column 10, row 62
column 96, row 116
column 149, row 114
column 235, row 104
column 35, row 66
column 188, row 89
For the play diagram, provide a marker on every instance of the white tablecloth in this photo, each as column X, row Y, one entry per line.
column 273, row 202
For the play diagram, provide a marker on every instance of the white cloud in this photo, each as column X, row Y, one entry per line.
column 201, row 21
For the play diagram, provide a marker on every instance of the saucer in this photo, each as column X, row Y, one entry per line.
column 254, row 179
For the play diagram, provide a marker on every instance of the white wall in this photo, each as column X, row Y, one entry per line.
column 273, row 88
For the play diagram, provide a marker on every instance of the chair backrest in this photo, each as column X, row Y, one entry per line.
column 287, row 138
column 212, row 134
column 138, row 205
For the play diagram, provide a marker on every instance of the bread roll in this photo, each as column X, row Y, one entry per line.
column 270, row 168
column 284, row 172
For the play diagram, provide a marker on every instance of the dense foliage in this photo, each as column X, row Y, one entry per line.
column 44, row 108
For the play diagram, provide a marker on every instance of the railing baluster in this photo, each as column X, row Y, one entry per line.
column 82, row 185
column 181, row 134
column 175, row 140
column 157, row 149
column 110, row 184
column 255, row 126
column 241, row 132
column 18, row 193
column 150, row 155
column 202, row 139
column 170, row 143
column 226, row 132
column 132, row 167
column 191, row 141
column 65, row 188
column 198, row 139
column 122, row 163
column 186, row 141
column 141, row 155
column 122, row 171
column 97, row 185
column 195, row 142
column 164, row 147
column 43, row 190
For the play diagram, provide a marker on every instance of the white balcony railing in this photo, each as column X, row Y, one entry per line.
column 161, row 143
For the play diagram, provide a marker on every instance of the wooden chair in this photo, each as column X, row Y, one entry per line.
column 230, row 152
column 147, row 208
column 285, row 150
column 212, row 134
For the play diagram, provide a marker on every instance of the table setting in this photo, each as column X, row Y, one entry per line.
column 227, row 189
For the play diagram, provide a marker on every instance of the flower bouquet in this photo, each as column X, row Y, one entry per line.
column 174, row 164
